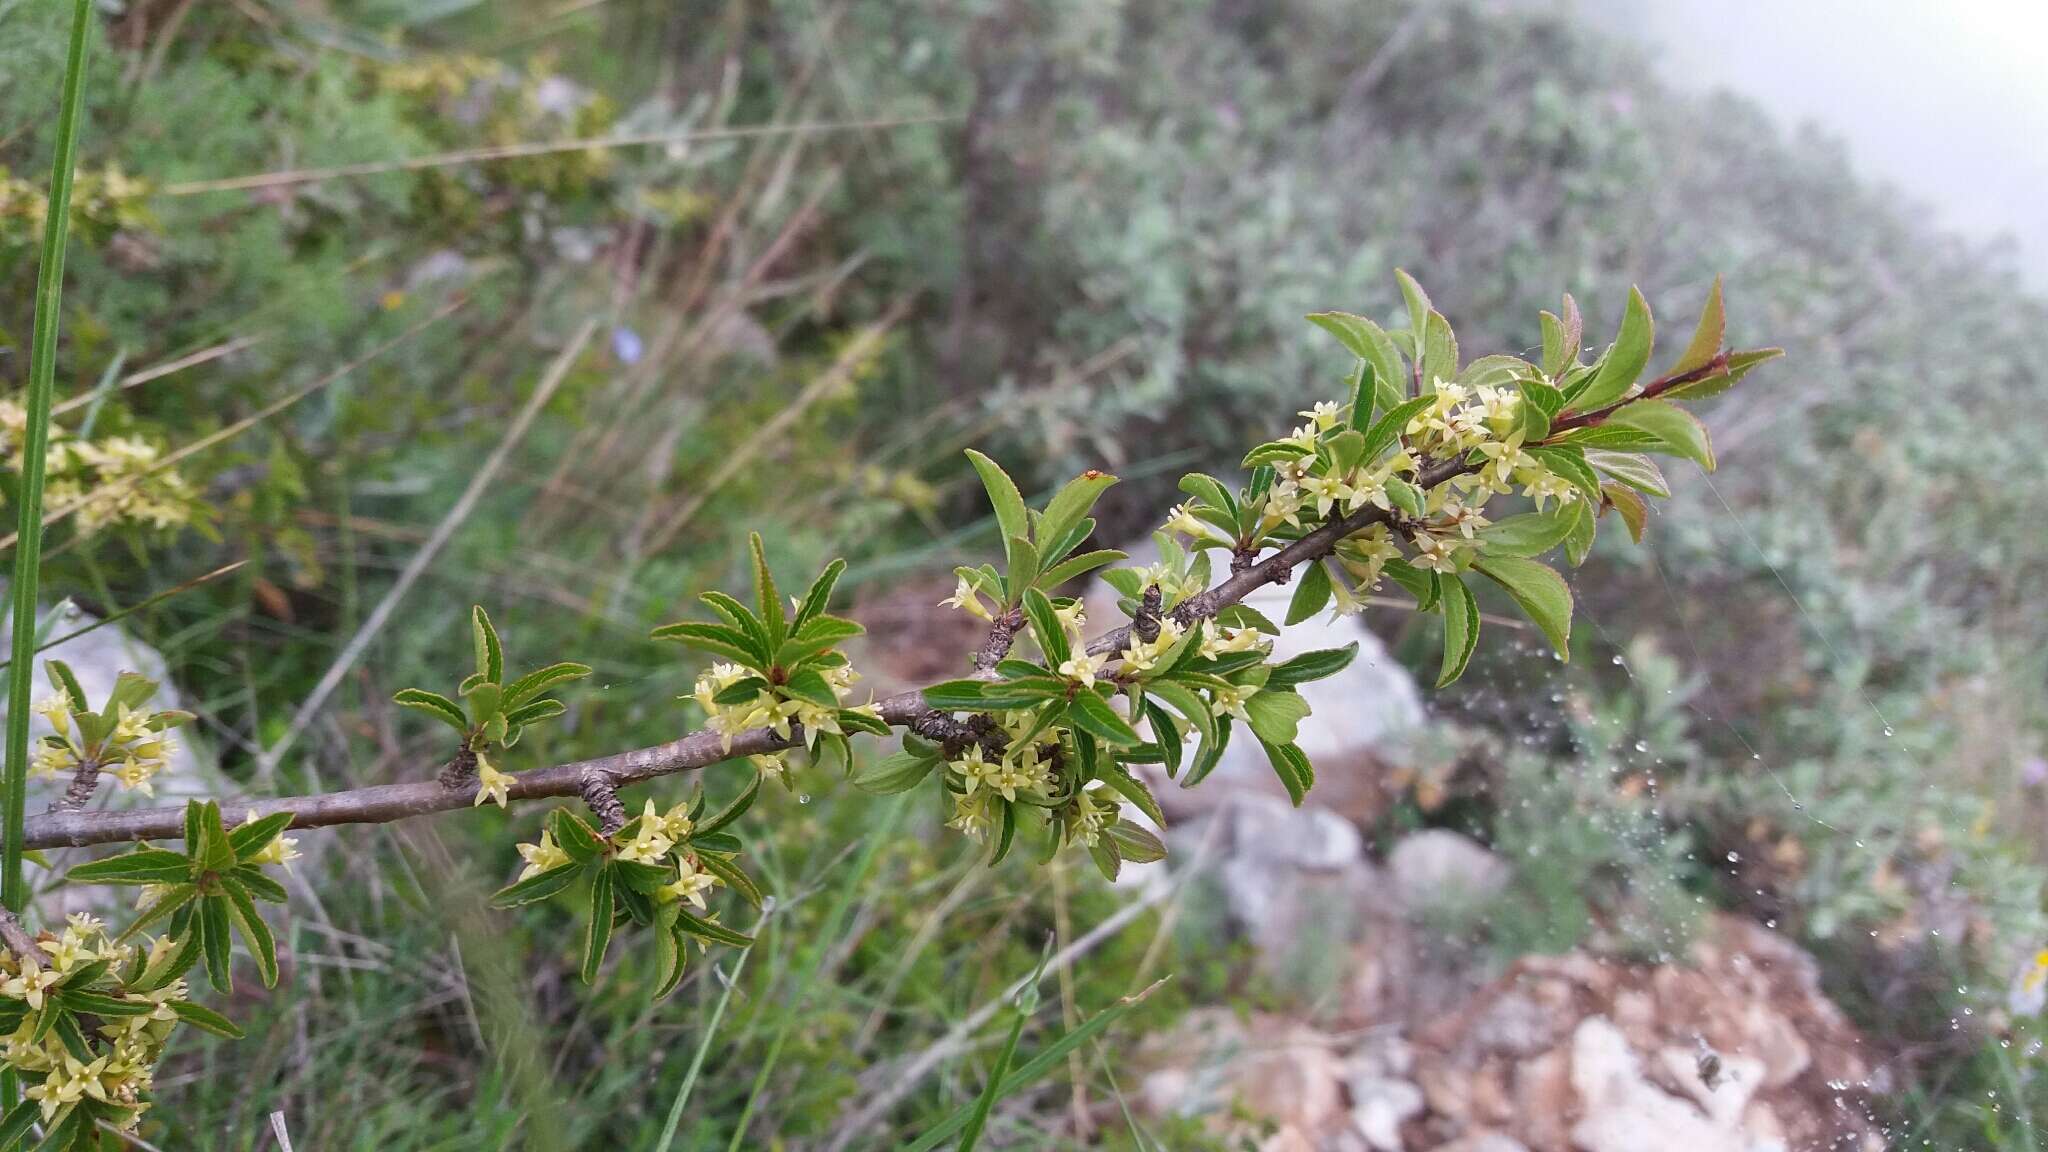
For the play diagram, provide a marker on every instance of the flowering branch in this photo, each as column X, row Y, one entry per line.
column 1037, row 745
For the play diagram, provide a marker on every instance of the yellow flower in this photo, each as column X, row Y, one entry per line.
column 648, row 843
column 284, row 849
column 1081, row 667
column 57, row 710
column 971, row 815
column 542, row 857
column 965, row 598
column 1323, row 415
column 491, row 784
column 691, row 883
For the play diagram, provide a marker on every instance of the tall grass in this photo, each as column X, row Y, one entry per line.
column 28, row 552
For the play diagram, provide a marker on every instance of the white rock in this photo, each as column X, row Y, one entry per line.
column 1437, row 866
column 1379, row 1106
column 1358, row 711
column 1620, row 1111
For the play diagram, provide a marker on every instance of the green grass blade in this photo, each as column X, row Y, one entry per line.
column 1001, row 1068
column 821, row 946
column 1037, row 1066
column 42, row 379
column 675, row 1110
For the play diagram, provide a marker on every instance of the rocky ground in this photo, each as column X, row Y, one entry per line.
column 1402, row 1034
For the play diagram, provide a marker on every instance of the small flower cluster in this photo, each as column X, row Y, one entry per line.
column 64, row 1064
column 497, row 712
column 124, row 739
column 651, row 838
column 113, row 482
column 767, row 708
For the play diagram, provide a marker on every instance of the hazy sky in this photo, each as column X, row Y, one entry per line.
column 1946, row 100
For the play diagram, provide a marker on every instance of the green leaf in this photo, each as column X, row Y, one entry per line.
column 1135, row 843
column 734, row 879
column 131, row 690
column 1706, row 338
column 1418, row 308
column 1558, row 351
column 811, row 687
column 1011, row 518
column 1276, row 714
column 1069, row 505
column 1133, row 789
column 1579, row 544
column 255, row 933
column 490, row 654
column 15, row 1125
column 1209, row 491
column 1317, row 665
column 1461, row 628
column 205, row 1019
column 434, row 704
column 1631, row 468
column 1405, row 496
column 898, row 772
column 1530, row 534
column 733, row 810
column 1310, row 594
column 1539, row 591
column 575, row 836
column 1679, row 432
column 175, row 897
column 1291, row 765
column 534, row 683
column 63, row 680
column 1022, row 559
column 262, row 887
column 142, row 866
column 1624, row 361
column 1045, row 628
column 537, row 887
column 1629, row 505
column 597, row 937
column 1439, row 351
column 717, row 639
column 534, row 712
column 1075, row 566
column 1370, row 343
column 737, row 615
column 1184, row 701
column 249, row 839
column 711, row 930
column 215, row 943
column 955, row 695
column 767, row 601
column 820, row 595
column 1739, row 365
column 1093, row 715
column 214, row 851
column 89, row 1003
column 1386, row 431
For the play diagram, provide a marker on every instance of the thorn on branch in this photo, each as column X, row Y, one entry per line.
column 602, row 796
column 85, row 782
column 1002, row 632
column 955, row 736
column 1145, row 625
column 459, row 774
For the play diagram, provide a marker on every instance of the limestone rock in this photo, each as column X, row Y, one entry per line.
column 1438, row 867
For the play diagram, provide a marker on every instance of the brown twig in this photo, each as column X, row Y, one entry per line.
column 1002, row 633
column 17, row 939
column 1712, row 368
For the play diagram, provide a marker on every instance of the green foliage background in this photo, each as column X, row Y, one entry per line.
column 1101, row 260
